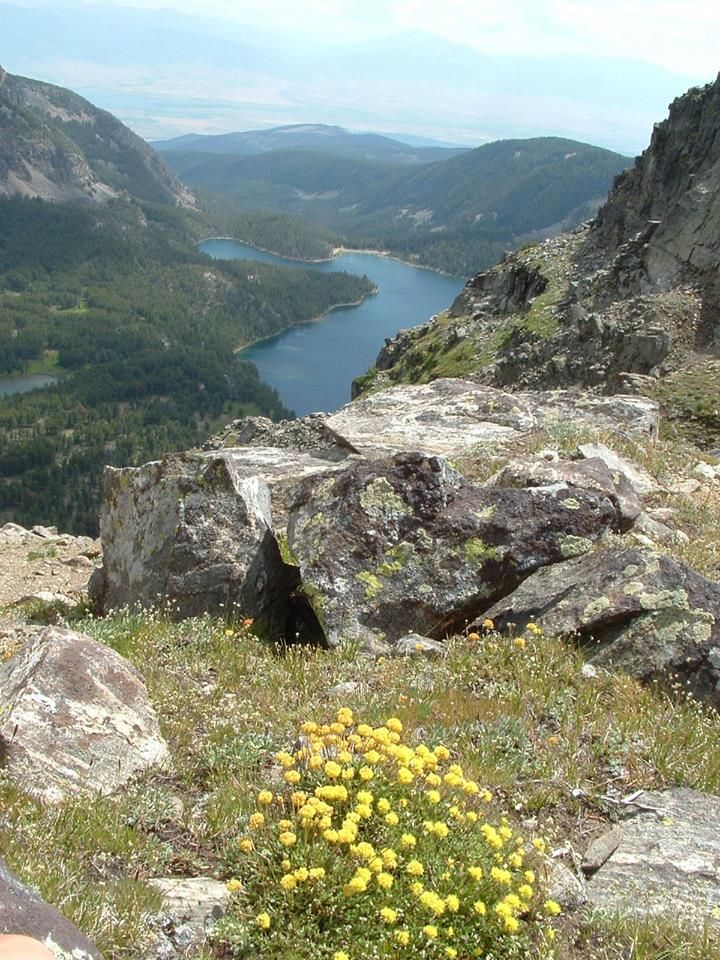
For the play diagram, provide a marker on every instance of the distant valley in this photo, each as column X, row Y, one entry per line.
column 457, row 214
column 102, row 284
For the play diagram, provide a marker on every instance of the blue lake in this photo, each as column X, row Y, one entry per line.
column 312, row 365
column 22, row 384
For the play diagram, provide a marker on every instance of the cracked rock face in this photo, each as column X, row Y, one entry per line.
column 665, row 862
column 638, row 611
column 193, row 533
column 406, row 544
column 23, row 912
column 76, row 718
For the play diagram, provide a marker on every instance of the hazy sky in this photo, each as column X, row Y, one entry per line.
column 681, row 36
column 601, row 71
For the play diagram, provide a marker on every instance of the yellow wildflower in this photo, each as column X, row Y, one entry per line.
column 430, row 931
column 233, row 886
column 263, row 921
column 256, row 821
column 388, row 915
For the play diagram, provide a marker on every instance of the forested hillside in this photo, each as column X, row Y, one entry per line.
column 457, row 215
column 141, row 329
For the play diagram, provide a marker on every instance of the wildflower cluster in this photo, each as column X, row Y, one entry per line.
column 377, row 848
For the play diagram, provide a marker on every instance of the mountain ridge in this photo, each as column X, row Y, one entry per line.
column 329, row 138
column 55, row 145
column 457, row 214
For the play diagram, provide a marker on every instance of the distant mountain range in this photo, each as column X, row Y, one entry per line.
column 57, row 146
column 310, row 136
column 456, row 214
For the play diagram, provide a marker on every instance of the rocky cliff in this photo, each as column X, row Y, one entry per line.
column 629, row 302
column 57, row 146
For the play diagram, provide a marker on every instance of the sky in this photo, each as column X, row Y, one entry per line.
column 599, row 71
column 682, row 36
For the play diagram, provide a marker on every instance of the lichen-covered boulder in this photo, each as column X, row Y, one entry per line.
column 192, row 533
column 406, row 545
column 638, row 611
column 75, row 717
column 449, row 417
column 23, row 912
column 591, row 474
column 664, row 861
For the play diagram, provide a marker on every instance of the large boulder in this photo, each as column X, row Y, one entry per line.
column 638, row 611
column 23, row 912
column 450, row 417
column 76, row 717
column 592, row 474
column 192, row 533
column 663, row 860
column 406, row 544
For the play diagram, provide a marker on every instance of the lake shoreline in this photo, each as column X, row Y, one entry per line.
column 302, row 323
column 312, row 363
column 336, row 252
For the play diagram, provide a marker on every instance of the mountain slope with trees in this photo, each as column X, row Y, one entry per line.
column 456, row 215
column 105, row 288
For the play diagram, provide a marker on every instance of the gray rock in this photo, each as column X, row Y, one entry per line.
column 76, row 717
column 412, row 645
column 193, row 907
column 23, row 912
column 565, row 886
column 657, row 530
column 637, row 611
column 706, row 471
column 640, row 479
column 193, row 533
column 591, row 474
column 451, row 417
column 667, row 862
column 406, row 544
column 601, row 849
column 347, row 688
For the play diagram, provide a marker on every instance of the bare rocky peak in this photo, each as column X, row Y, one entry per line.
column 55, row 145
column 671, row 196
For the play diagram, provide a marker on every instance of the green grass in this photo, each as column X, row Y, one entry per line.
column 522, row 720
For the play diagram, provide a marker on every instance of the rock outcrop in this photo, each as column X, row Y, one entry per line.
column 193, row 534
column 662, row 861
column 630, row 302
column 76, row 717
column 637, row 611
column 407, row 544
column 205, row 531
column 23, row 912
